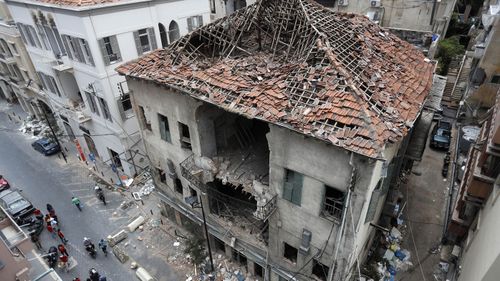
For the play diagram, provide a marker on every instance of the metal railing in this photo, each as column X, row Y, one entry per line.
column 187, row 167
column 332, row 208
column 265, row 211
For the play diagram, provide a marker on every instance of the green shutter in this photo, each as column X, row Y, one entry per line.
column 298, row 180
column 137, row 43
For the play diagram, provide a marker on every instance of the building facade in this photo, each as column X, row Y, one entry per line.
column 254, row 123
column 222, row 8
column 75, row 48
column 17, row 75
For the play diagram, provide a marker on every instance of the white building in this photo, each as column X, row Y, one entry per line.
column 222, row 8
column 75, row 47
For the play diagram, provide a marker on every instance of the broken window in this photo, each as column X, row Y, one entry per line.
column 92, row 103
column 219, row 244
column 185, row 136
column 319, row 270
column 144, row 120
column 292, row 189
column 240, row 258
column 115, row 158
column 333, row 203
column 290, row 253
column 193, row 192
column 164, row 128
column 178, row 186
column 105, row 109
column 162, row 175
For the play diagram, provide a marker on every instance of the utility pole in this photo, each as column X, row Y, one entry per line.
column 52, row 131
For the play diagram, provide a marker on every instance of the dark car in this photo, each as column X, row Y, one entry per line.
column 15, row 204
column 441, row 135
column 46, row 146
column 4, row 184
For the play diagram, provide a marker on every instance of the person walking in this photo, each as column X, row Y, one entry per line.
column 76, row 202
column 54, row 224
column 47, row 219
column 51, row 210
column 51, row 231
column 62, row 249
column 64, row 262
column 103, row 245
column 61, row 236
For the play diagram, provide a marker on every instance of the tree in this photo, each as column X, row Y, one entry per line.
column 448, row 49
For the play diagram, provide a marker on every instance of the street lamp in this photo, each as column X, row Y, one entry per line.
column 193, row 201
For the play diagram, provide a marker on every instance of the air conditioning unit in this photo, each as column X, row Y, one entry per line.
column 375, row 3
column 343, row 3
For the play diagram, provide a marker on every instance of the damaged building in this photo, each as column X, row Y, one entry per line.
column 287, row 121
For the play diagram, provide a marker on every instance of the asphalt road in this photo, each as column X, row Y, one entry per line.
column 49, row 180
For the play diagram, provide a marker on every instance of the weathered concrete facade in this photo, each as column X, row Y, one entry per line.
column 321, row 165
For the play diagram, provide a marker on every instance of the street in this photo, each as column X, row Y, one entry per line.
column 49, row 180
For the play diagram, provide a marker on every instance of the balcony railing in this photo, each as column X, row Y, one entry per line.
column 193, row 173
column 265, row 211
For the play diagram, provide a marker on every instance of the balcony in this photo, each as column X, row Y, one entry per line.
column 63, row 64
column 10, row 233
column 78, row 110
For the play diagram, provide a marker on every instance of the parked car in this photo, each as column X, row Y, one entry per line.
column 441, row 135
column 15, row 204
column 46, row 146
column 4, row 184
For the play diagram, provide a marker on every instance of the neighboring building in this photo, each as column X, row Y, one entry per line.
column 17, row 75
column 419, row 15
column 284, row 128
column 474, row 222
column 18, row 260
column 75, row 47
column 222, row 8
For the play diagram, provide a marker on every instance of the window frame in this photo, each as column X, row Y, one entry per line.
column 92, row 103
column 106, row 113
column 292, row 190
column 164, row 128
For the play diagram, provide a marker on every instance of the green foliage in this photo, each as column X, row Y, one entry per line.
column 447, row 50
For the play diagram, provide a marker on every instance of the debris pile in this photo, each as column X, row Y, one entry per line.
column 333, row 76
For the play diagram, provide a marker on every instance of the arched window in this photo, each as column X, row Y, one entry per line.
column 173, row 31
column 163, row 35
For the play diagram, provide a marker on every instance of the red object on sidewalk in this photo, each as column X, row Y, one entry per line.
column 49, row 228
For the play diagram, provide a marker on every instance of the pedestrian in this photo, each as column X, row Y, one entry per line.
column 62, row 249
column 63, row 262
column 54, row 224
column 51, row 210
column 51, row 231
column 61, row 235
column 47, row 219
column 76, row 279
column 76, row 202
column 36, row 240
column 102, row 278
column 55, row 218
column 103, row 245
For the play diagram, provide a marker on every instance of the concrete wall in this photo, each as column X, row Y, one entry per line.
column 481, row 255
column 490, row 62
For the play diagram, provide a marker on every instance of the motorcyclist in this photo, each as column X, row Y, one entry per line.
column 94, row 275
column 100, row 194
column 89, row 246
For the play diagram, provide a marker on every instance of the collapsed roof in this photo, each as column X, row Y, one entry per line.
column 333, row 76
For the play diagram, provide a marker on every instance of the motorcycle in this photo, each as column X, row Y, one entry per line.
column 52, row 257
column 89, row 247
column 100, row 194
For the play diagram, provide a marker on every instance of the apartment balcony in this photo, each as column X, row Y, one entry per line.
column 78, row 111
column 11, row 234
column 63, row 64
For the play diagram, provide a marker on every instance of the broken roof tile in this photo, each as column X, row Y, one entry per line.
column 370, row 95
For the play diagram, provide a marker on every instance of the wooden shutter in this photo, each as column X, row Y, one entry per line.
column 137, row 43
column 77, row 52
column 115, row 47
column 298, row 180
column 66, row 46
column 21, row 31
column 200, row 21
column 85, row 45
column 104, row 52
column 152, row 38
column 162, row 127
